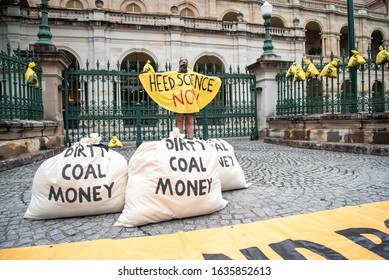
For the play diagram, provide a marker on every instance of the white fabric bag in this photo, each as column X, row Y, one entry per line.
column 85, row 179
column 171, row 178
column 231, row 173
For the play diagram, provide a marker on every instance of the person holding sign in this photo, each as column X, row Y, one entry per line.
column 183, row 68
column 183, row 92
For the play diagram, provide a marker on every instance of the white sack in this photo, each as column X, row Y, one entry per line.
column 171, row 178
column 231, row 173
column 85, row 179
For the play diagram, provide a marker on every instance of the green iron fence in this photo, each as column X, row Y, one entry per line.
column 113, row 102
column 18, row 99
column 324, row 95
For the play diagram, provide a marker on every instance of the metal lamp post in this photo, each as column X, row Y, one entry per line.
column 44, row 34
column 266, row 11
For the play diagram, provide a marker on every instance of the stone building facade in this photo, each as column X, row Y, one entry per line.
column 225, row 33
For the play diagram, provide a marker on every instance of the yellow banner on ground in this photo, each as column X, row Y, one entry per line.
column 354, row 233
column 181, row 92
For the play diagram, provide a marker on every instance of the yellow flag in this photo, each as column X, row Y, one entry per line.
column 184, row 93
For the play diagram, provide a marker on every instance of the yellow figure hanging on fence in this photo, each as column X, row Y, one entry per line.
column 291, row 71
column 382, row 56
column 115, row 142
column 356, row 60
column 30, row 75
column 299, row 75
column 330, row 70
column 311, row 70
column 148, row 68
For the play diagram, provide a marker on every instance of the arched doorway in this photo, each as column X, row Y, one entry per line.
column 76, row 95
column 276, row 22
column 131, row 90
column 209, row 64
column 343, row 44
column 377, row 40
column 313, row 39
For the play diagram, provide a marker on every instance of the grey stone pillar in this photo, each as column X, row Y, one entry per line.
column 265, row 70
column 52, row 62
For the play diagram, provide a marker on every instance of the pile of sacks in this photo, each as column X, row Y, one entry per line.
column 167, row 179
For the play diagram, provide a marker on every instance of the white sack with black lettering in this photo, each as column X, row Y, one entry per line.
column 83, row 180
column 169, row 179
column 231, row 173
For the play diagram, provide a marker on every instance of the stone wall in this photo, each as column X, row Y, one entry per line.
column 27, row 141
column 353, row 128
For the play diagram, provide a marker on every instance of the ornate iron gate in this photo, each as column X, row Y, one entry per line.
column 113, row 102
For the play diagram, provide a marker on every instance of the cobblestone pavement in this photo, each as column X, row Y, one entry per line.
column 285, row 181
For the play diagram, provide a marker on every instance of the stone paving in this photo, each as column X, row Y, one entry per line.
column 285, row 181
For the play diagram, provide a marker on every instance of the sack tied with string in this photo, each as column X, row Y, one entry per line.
column 171, row 179
column 231, row 173
column 85, row 179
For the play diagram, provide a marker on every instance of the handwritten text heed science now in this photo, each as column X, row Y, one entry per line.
column 179, row 92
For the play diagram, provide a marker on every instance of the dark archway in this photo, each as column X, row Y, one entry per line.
column 313, row 39
column 377, row 40
column 209, row 64
column 131, row 90
column 343, row 46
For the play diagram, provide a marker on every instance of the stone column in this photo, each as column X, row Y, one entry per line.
column 52, row 62
column 265, row 70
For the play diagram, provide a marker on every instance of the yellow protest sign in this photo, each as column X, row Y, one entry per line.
column 183, row 93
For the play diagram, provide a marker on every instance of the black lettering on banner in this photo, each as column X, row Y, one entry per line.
column 287, row 250
column 357, row 236
column 253, row 253
column 215, row 257
column 172, row 83
column 187, row 80
column 210, row 84
column 181, row 81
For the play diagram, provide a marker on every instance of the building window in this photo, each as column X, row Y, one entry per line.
column 377, row 40
column 344, row 41
column 187, row 13
column 313, row 39
column 74, row 4
column 133, row 8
